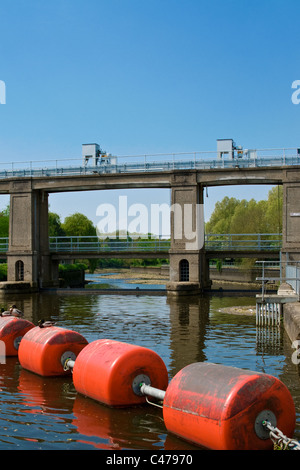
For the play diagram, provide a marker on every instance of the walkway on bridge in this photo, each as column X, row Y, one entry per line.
column 220, row 245
column 151, row 163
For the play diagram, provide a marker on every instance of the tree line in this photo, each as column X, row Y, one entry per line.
column 232, row 215
column 79, row 224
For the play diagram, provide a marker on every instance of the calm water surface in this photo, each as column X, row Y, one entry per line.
column 47, row 413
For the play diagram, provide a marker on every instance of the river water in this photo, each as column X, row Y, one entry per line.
column 48, row 413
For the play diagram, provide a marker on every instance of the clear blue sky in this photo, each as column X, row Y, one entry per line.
column 146, row 76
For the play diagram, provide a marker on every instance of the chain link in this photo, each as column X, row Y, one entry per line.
column 280, row 441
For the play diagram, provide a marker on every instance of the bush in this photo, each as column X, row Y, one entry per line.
column 3, row 272
column 72, row 267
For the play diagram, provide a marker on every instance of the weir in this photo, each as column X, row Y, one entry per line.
column 29, row 257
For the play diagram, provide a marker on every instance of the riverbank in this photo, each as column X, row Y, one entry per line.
column 147, row 276
column 160, row 276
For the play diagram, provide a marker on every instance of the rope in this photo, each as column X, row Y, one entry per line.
column 152, row 403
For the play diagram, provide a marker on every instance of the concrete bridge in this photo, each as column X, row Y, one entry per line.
column 29, row 257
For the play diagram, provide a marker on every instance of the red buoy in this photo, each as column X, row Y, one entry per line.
column 111, row 372
column 12, row 330
column 44, row 350
column 222, row 408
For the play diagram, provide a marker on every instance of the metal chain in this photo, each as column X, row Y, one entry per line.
column 279, row 439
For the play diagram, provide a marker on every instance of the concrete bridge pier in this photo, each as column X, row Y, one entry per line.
column 28, row 257
column 189, row 268
column 291, row 218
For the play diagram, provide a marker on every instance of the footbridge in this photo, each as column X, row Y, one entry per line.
column 32, row 257
column 244, row 245
column 216, row 245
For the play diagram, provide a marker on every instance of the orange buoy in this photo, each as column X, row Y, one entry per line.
column 111, row 371
column 12, row 330
column 222, row 408
column 44, row 350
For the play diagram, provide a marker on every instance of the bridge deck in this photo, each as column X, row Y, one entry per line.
column 151, row 171
column 146, row 163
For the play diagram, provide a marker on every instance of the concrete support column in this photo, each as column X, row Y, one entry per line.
column 291, row 221
column 28, row 257
column 189, row 271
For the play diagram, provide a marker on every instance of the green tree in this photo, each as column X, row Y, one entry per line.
column 273, row 215
column 220, row 220
column 234, row 216
column 4, row 222
column 55, row 228
column 4, row 225
column 249, row 217
column 78, row 225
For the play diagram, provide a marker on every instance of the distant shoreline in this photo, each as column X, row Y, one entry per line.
column 131, row 276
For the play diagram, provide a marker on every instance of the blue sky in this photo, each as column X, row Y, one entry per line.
column 146, row 76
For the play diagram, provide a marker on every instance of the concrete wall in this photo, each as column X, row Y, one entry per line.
column 237, row 274
column 291, row 320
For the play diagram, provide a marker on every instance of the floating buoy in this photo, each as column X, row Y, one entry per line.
column 12, row 330
column 210, row 405
column 111, row 372
column 223, row 408
column 44, row 350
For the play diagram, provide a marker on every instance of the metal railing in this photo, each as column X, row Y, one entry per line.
column 269, row 306
column 236, row 242
column 243, row 241
column 213, row 242
column 147, row 163
column 95, row 244
column 3, row 245
column 292, row 274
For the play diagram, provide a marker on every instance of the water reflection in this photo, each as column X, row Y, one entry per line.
column 189, row 320
column 108, row 428
column 39, row 413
